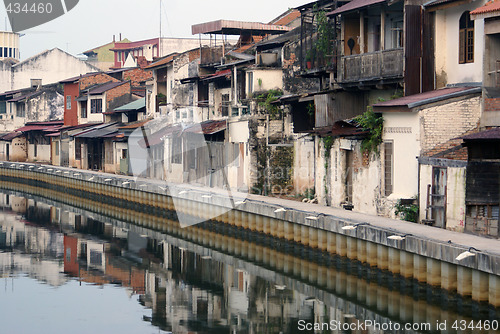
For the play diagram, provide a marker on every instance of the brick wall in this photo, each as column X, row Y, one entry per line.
column 492, row 104
column 117, row 92
column 448, row 121
column 137, row 75
column 99, row 78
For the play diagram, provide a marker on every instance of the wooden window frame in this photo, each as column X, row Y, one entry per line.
column 466, row 39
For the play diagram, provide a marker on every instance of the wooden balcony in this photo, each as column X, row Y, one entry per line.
column 372, row 66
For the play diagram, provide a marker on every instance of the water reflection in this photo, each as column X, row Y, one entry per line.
column 177, row 286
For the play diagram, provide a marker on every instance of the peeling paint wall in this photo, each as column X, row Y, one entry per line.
column 455, row 195
column 303, row 164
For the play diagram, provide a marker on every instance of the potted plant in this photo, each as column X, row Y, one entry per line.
column 310, row 56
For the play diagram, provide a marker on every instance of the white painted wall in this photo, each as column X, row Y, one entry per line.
column 403, row 129
column 51, row 66
column 448, row 70
column 271, row 79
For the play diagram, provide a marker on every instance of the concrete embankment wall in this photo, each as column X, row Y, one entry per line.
column 428, row 255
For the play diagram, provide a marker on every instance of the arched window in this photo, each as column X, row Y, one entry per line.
column 466, row 39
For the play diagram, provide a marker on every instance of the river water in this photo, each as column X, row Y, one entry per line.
column 66, row 270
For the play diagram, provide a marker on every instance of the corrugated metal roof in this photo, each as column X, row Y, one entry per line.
column 230, row 27
column 41, row 126
column 492, row 134
column 74, row 79
column 135, row 105
column 100, row 131
column 353, row 5
column 135, row 125
column 11, row 135
column 416, row 100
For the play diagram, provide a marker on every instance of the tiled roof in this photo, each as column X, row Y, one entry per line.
column 490, row 7
column 287, row 18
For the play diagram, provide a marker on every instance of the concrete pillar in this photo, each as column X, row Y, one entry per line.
column 352, row 248
column 371, row 253
column 322, row 240
column 297, row 233
column 267, row 225
column 259, row 223
column 288, row 230
column 448, row 276
column 480, row 282
column 494, row 294
column 361, row 250
column 341, row 245
column 464, row 281
column 304, row 235
column 394, row 260
column 331, row 240
column 433, row 272
column 419, row 268
column 382, row 257
column 322, row 277
column 313, row 237
column 281, row 228
column 406, row 264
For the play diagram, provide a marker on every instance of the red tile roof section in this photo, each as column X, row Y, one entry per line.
column 490, row 7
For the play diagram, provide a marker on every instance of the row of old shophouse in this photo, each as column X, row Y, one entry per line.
column 274, row 111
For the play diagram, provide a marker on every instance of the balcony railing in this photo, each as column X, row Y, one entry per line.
column 376, row 65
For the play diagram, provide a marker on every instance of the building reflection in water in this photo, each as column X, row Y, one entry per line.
column 187, row 292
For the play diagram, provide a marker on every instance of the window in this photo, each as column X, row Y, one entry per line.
column 56, row 147
column 466, row 39
column 83, row 110
column 95, row 106
column 388, row 167
column 225, row 105
column 3, row 107
column 250, row 82
column 176, row 150
column 68, row 102
column 21, row 109
column 78, row 150
column 124, row 153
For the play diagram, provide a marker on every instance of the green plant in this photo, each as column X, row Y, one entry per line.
column 310, row 109
column 325, row 34
column 374, row 124
column 259, row 82
column 407, row 211
column 327, row 143
column 267, row 101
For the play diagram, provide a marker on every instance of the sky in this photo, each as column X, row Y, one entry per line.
column 94, row 22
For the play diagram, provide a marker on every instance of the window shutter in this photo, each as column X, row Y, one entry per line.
column 461, row 46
